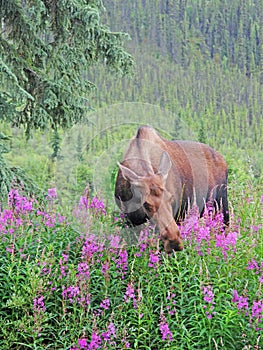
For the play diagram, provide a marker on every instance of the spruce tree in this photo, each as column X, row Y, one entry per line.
column 46, row 48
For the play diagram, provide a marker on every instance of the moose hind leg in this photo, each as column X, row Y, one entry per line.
column 222, row 201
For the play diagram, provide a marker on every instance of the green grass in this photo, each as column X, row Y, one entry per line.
column 65, row 280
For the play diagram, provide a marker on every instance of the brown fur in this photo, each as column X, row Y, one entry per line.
column 160, row 179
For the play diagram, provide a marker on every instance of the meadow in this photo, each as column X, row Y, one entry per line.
column 72, row 274
column 80, row 281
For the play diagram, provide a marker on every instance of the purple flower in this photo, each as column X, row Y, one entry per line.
column 39, row 304
column 52, row 193
column 83, row 203
column 235, row 296
column 164, row 328
column 203, row 235
column 110, row 332
column 83, row 270
column 82, row 343
column 98, row 206
column 61, row 218
column 122, row 262
column 95, row 342
column 209, row 299
column 208, row 294
column 70, row 293
column 19, row 203
column 114, row 241
column 90, row 247
column 11, row 249
column 63, row 265
column 154, row 260
column 257, row 310
column 45, row 270
column 253, row 265
column 105, row 304
column 147, row 238
column 130, row 294
column 226, row 241
column 241, row 302
column 190, row 223
column 105, row 268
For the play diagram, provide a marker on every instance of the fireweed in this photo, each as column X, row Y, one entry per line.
column 208, row 233
column 94, row 205
column 109, row 295
column 253, row 313
column 209, row 301
column 252, row 309
column 257, row 267
column 164, row 328
column 97, row 340
column 171, row 301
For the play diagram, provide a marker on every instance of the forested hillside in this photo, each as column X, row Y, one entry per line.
column 201, row 60
column 228, row 32
column 198, row 75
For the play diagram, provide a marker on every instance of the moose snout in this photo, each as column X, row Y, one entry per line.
column 172, row 239
column 175, row 245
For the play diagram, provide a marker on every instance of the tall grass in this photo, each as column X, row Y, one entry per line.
column 75, row 283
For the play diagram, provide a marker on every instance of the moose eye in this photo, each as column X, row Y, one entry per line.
column 147, row 206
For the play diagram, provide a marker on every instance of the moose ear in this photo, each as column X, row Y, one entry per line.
column 165, row 165
column 129, row 175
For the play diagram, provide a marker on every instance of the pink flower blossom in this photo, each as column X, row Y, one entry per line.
column 90, row 247
column 114, row 241
column 83, row 270
column 130, row 295
column 209, row 299
column 95, row 342
column 70, row 293
column 154, row 260
column 19, row 203
column 39, row 304
column 241, row 302
column 82, row 343
column 164, row 328
column 257, row 310
column 110, row 332
column 122, row 262
column 105, row 304
column 63, row 265
column 105, row 268
column 98, row 206
column 52, row 193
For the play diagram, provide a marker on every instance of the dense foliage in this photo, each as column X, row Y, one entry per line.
column 45, row 49
column 86, row 284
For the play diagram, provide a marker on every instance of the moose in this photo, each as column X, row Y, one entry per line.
column 160, row 180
